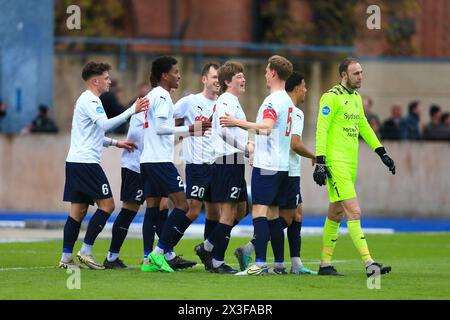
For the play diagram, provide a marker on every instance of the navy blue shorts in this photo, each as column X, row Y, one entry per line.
column 85, row 183
column 160, row 179
column 131, row 189
column 228, row 180
column 291, row 195
column 198, row 181
column 267, row 186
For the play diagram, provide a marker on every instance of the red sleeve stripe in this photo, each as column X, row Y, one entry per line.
column 270, row 114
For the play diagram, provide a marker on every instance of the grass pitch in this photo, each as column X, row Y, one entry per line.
column 420, row 270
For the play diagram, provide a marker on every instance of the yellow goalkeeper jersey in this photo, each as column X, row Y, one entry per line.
column 340, row 121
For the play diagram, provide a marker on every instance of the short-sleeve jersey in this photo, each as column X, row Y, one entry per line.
column 158, row 148
column 272, row 151
column 297, row 129
column 86, row 138
column 228, row 103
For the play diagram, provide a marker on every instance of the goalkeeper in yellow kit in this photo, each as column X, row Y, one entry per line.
column 340, row 121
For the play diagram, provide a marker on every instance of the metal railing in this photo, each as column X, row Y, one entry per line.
column 201, row 45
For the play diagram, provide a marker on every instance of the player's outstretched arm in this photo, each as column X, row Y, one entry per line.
column 163, row 128
column 231, row 139
column 386, row 159
column 129, row 145
column 109, row 124
column 264, row 128
column 299, row 148
column 199, row 128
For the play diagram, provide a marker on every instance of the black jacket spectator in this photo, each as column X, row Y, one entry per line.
column 113, row 107
column 433, row 131
column 42, row 123
column 410, row 124
column 391, row 127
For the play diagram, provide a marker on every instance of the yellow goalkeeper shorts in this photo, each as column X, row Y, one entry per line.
column 341, row 186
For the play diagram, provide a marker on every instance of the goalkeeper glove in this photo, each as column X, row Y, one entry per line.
column 321, row 171
column 386, row 159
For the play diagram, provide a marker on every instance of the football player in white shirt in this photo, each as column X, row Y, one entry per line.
column 229, row 188
column 198, row 152
column 271, row 164
column 291, row 202
column 86, row 182
column 160, row 177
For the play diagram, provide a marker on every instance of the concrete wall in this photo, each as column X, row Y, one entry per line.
column 32, row 177
column 386, row 82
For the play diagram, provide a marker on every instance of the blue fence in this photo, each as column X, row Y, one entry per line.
column 26, row 60
column 379, row 223
column 200, row 46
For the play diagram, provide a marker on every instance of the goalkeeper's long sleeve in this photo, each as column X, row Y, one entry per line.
column 324, row 119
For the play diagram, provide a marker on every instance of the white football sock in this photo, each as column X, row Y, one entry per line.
column 296, row 262
column 112, row 256
column 86, row 249
column 208, row 246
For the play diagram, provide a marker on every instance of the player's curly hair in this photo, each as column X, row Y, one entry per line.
column 161, row 65
column 227, row 71
column 94, row 69
column 294, row 80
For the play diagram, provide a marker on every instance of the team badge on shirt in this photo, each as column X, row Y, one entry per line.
column 326, row 110
column 100, row 110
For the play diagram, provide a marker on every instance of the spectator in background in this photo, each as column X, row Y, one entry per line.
column 2, row 113
column 409, row 125
column 372, row 118
column 444, row 128
column 42, row 123
column 445, row 121
column 433, row 130
column 391, row 126
column 110, row 101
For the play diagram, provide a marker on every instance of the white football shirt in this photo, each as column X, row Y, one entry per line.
column 297, row 128
column 272, row 151
column 131, row 160
column 86, row 138
column 196, row 107
column 228, row 103
column 158, row 148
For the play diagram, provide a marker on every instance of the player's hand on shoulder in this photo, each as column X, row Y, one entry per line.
column 128, row 145
column 227, row 120
column 141, row 104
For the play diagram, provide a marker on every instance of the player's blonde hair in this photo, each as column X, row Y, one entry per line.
column 282, row 66
column 227, row 71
